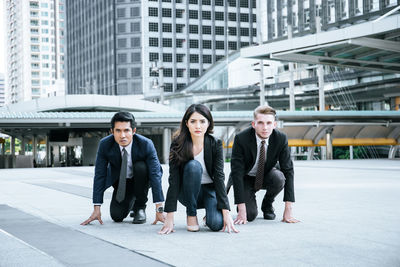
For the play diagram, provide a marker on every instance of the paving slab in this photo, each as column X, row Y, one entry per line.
column 348, row 211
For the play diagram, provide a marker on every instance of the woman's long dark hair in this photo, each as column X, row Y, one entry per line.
column 182, row 148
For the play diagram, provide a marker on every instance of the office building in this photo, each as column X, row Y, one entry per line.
column 35, row 42
column 111, row 44
column 2, row 90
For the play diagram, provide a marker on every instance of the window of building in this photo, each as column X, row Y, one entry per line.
column 219, row 30
column 193, row 43
column 232, row 3
column 135, row 26
column 135, row 42
column 35, row 82
column 180, row 57
column 35, row 74
column 254, row 18
column 179, row 43
column 168, row 87
column 179, row 73
column 193, row 29
column 167, row 27
column 153, row 26
column 180, row 86
column 34, row 22
column 206, row 29
column 33, row 4
column 244, row 31
column 232, row 16
column 206, row 15
column 166, row 1
column 153, row 12
column 193, row 14
column 219, row 15
column 35, row 39
column 232, row 31
column 46, row 57
column 135, row 12
column 244, row 3
column 167, row 57
column 232, row 45
column 244, row 44
column 121, row 43
column 194, row 73
column 167, row 72
column 206, row 44
column 121, row 27
column 120, row 12
column 122, row 58
column 167, row 42
column 43, row 13
column 254, row 32
column 219, row 2
column 244, row 17
column 194, row 58
column 179, row 28
column 135, row 57
column 207, row 59
column 195, row 2
column 179, row 13
column 45, row 22
column 34, row 57
column 45, row 65
column 136, row 72
column 218, row 57
column 166, row 12
column 122, row 73
column 153, row 42
column 35, row 65
column 206, row 2
column 34, row 31
column 153, row 56
column 219, row 45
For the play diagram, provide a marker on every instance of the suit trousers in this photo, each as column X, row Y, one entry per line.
column 273, row 182
column 136, row 192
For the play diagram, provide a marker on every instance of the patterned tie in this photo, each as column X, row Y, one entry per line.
column 260, row 168
column 122, row 177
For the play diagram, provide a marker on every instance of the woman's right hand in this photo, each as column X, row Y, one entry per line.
column 168, row 225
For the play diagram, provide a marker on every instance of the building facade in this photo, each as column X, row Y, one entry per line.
column 35, row 42
column 112, row 44
column 2, row 90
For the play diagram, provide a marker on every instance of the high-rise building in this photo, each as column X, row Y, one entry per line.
column 35, row 43
column 111, row 44
column 2, row 90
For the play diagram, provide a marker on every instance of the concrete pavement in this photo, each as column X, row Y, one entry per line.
column 348, row 210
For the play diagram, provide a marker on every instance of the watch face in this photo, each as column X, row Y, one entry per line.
column 160, row 209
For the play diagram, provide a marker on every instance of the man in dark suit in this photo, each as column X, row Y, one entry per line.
column 128, row 162
column 256, row 151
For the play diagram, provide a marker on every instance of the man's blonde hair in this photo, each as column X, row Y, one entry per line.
column 264, row 110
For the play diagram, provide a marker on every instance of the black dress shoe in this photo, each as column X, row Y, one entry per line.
column 139, row 216
column 269, row 214
column 132, row 214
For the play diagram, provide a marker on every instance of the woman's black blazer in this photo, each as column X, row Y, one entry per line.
column 214, row 161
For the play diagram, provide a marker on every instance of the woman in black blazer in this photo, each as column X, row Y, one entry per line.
column 196, row 174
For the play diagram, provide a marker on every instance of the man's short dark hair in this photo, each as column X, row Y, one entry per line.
column 123, row 116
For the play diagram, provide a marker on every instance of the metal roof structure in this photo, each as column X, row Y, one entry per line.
column 372, row 45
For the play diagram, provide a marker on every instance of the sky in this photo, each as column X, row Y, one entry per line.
column 3, row 38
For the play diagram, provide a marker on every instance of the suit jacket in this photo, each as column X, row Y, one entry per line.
column 108, row 165
column 214, row 161
column 244, row 153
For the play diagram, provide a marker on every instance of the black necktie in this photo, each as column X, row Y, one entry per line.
column 122, row 177
column 260, row 168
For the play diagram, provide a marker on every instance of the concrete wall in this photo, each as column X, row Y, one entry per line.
column 89, row 150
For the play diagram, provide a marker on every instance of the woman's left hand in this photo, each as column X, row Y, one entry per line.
column 228, row 222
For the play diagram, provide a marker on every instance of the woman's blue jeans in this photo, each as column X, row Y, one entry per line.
column 194, row 195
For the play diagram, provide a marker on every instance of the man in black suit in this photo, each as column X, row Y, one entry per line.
column 256, row 151
column 128, row 162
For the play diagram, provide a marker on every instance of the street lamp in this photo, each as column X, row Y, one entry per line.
column 156, row 84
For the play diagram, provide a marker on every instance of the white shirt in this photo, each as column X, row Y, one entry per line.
column 205, row 178
column 253, row 171
column 129, row 170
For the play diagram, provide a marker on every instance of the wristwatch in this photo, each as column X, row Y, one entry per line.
column 160, row 209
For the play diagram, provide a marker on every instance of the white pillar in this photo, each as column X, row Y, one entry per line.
column 329, row 147
column 23, row 143
column 320, row 71
column 292, row 105
column 166, row 144
column 351, row 152
column 262, row 86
